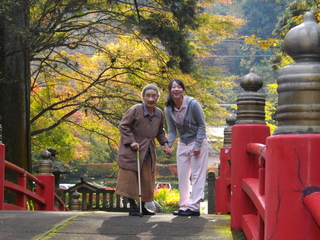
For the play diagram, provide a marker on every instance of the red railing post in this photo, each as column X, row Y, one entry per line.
column 21, row 198
column 47, row 192
column 2, row 172
column 47, row 178
column 293, row 150
column 294, row 160
column 223, row 192
column 250, row 127
column 243, row 166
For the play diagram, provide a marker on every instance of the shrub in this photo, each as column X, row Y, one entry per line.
column 167, row 199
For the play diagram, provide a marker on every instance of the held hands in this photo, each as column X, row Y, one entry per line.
column 167, row 150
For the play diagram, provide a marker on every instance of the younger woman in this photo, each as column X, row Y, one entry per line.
column 185, row 116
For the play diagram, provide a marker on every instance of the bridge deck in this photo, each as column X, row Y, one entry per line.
column 104, row 225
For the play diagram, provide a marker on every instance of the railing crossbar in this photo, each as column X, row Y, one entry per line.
column 257, row 149
column 19, row 170
column 251, row 187
column 30, row 195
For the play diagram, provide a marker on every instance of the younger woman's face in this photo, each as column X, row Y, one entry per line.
column 176, row 91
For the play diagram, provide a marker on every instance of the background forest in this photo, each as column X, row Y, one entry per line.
column 89, row 60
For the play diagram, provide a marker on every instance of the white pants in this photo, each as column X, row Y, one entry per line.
column 196, row 167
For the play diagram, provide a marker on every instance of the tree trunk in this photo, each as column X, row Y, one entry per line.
column 15, row 82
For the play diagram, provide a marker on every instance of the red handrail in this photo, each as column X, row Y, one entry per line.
column 44, row 197
column 257, row 149
column 254, row 187
column 29, row 176
column 311, row 200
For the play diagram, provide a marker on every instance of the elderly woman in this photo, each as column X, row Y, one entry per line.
column 139, row 127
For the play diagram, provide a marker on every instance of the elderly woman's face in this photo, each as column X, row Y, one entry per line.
column 150, row 98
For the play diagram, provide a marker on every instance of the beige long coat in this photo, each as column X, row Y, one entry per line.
column 135, row 127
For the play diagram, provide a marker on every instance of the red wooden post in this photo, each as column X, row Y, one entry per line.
column 223, row 182
column 242, row 166
column 47, row 192
column 2, row 172
column 21, row 198
column 293, row 161
column 223, row 191
column 293, row 152
column 45, row 175
column 250, row 127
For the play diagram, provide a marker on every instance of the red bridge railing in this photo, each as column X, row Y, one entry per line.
column 253, row 224
column 44, row 198
column 272, row 189
column 272, row 183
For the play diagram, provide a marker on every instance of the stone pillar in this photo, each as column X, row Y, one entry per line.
column 211, row 192
column 75, row 204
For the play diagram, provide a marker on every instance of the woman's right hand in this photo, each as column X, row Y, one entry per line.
column 134, row 145
column 167, row 150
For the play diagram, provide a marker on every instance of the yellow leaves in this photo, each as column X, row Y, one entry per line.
column 59, row 35
column 317, row 15
column 298, row 19
column 251, row 40
column 264, row 44
column 272, row 87
column 226, row 2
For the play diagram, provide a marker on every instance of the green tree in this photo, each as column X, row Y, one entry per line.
column 89, row 61
column 293, row 15
column 15, row 81
column 85, row 78
column 261, row 16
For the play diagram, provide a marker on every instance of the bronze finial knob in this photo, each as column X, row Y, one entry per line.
column 231, row 120
column 302, row 41
column 251, row 82
column 251, row 104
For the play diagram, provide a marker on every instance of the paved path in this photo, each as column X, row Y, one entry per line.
column 36, row 225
